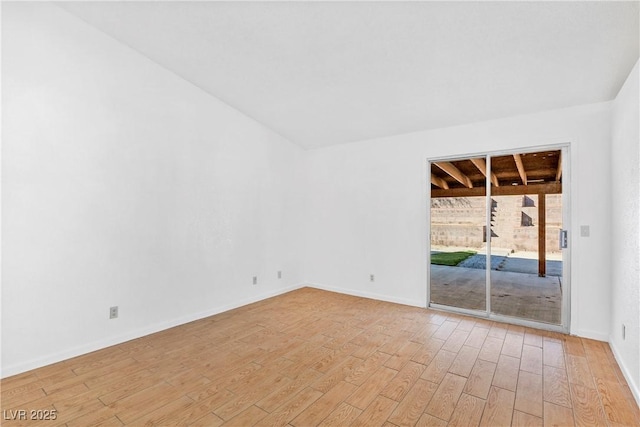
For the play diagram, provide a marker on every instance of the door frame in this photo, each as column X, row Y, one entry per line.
column 565, row 322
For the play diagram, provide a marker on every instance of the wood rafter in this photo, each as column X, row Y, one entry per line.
column 505, row 190
column 439, row 182
column 482, row 167
column 559, row 170
column 520, row 166
column 455, row 173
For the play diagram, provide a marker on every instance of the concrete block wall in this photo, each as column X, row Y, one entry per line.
column 460, row 221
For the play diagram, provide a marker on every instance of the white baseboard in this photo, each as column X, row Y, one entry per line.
column 592, row 335
column 625, row 371
column 365, row 294
column 21, row 367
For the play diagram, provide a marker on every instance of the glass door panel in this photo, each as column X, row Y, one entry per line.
column 526, row 197
column 458, row 209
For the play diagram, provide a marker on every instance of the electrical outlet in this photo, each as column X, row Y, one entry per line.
column 279, row 274
column 372, row 278
column 624, row 331
column 113, row 312
column 255, row 280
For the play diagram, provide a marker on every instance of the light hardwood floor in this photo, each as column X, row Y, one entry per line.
column 312, row 357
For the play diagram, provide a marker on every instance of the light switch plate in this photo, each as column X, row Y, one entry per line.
column 584, row 231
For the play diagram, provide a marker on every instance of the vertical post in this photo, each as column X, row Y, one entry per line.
column 542, row 236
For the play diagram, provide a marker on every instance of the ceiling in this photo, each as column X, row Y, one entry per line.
column 323, row 73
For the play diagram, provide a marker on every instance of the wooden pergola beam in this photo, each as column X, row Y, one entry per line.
column 439, row 182
column 505, row 190
column 520, row 166
column 455, row 173
column 559, row 170
column 482, row 167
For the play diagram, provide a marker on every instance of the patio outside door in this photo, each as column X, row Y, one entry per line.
column 496, row 239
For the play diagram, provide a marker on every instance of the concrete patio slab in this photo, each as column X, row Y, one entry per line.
column 513, row 294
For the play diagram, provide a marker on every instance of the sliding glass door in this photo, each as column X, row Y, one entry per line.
column 496, row 236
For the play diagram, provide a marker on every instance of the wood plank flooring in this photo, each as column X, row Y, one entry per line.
column 311, row 357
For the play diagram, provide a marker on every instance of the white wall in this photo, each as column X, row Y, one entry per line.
column 124, row 185
column 625, row 233
column 367, row 206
